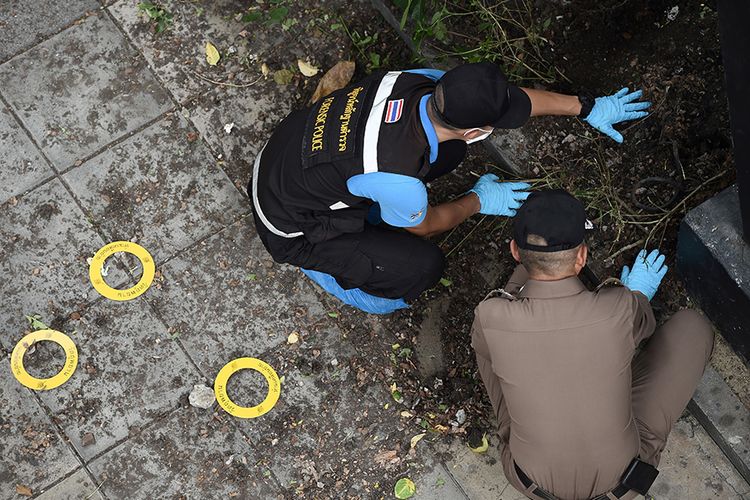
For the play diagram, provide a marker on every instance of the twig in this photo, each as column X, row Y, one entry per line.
column 664, row 218
column 97, row 489
column 225, row 84
column 466, row 237
column 625, row 249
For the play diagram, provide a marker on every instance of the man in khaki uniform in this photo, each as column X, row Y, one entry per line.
column 575, row 404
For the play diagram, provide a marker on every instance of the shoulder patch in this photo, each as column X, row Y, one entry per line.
column 609, row 283
column 416, row 216
column 394, row 110
column 499, row 293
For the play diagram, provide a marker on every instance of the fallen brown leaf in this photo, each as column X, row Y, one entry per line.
column 335, row 78
column 24, row 490
column 386, row 457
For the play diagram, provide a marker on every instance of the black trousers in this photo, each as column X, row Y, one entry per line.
column 381, row 260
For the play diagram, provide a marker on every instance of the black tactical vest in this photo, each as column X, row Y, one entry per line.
column 371, row 126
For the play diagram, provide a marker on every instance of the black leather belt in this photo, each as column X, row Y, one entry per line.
column 619, row 490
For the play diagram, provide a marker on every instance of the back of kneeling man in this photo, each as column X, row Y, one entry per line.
column 580, row 414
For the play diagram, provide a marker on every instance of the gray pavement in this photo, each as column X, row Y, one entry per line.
column 108, row 134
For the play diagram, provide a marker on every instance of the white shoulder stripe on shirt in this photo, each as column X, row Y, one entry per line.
column 374, row 119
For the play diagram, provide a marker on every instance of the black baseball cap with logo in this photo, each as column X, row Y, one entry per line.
column 478, row 94
column 555, row 215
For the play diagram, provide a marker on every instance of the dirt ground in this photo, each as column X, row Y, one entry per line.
column 599, row 47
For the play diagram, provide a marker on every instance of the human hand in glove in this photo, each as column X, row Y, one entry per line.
column 647, row 273
column 499, row 198
column 616, row 108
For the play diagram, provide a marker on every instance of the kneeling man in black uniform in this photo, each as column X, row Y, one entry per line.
column 330, row 174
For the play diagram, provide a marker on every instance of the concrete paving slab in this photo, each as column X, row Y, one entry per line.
column 725, row 419
column 23, row 24
column 329, row 432
column 255, row 112
column 130, row 373
column 82, row 89
column 480, row 475
column 21, row 165
column 435, row 483
column 191, row 453
column 177, row 54
column 43, row 268
column 226, row 298
column 161, row 187
column 692, row 466
column 75, row 487
column 32, row 453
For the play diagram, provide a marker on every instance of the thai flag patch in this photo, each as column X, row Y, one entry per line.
column 394, row 110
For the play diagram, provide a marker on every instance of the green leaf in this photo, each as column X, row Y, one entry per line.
column 440, row 482
column 374, row 60
column 36, row 323
column 445, row 282
column 278, row 14
column 405, row 17
column 336, row 26
column 333, row 314
column 405, row 353
column 404, row 488
column 442, row 407
column 251, row 17
column 288, row 23
column 251, row 277
column 396, row 395
column 283, row 76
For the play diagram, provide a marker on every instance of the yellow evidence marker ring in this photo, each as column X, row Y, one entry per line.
column 95, row 270
column 220, row 387
column 44, row 384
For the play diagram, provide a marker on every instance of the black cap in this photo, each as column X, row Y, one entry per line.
column 478, row 94
column 555, row 215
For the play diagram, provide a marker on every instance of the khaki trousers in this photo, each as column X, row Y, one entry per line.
column 665, row 374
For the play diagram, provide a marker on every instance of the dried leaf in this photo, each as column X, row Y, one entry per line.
column 417, row 438
column 212, row 54
column 293, row 338
column 24, row 490
column 482, row 448
column 385, row 457
column 306, row 68
column 283, row 76
column 335, row 78
column 264, row 69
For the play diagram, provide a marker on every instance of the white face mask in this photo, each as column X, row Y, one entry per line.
column 480, row 137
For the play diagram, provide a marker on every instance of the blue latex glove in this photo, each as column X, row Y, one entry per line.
column 355, row 297
column 499, row 198
column 648, row 271
column 616, row 108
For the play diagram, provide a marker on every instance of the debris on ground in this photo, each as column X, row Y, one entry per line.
column 202, row 397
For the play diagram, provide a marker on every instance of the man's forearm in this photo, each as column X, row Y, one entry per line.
column 446, row 216
column 544, row 103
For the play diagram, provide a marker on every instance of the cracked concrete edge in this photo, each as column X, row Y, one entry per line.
column 724, row 418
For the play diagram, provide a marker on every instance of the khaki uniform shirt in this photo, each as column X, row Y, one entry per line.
column 557, row 365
